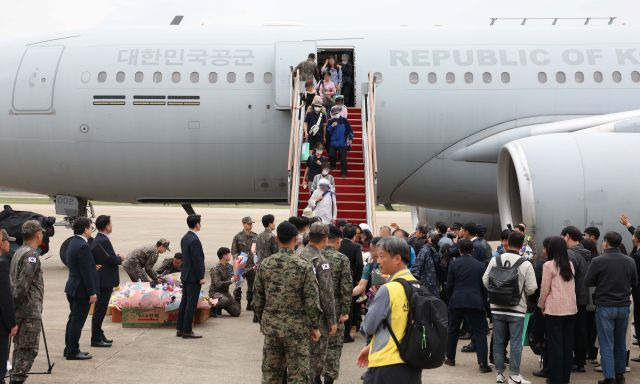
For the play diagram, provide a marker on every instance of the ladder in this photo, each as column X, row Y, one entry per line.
column 356, row 193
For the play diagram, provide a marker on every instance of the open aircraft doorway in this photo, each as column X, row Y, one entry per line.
column 347, row 67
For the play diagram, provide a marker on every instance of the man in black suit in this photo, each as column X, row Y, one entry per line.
column 353, row 251
column 192, row 277
column 108, row 277
column 7, row 312
column 81, row 287
column 467, row 299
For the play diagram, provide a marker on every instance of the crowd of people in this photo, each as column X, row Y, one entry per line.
column 314, row 286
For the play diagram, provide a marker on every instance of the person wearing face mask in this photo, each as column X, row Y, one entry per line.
column 323, row 202
column 347, row 81
column 314, row 165
column 324, row 175
column 327, row 89
column 341, row 136
column 315, row 123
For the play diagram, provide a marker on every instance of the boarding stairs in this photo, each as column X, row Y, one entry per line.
column 356, row 193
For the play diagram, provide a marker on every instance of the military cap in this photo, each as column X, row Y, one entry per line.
column 30, row 227
column 319, row 229
column 247, row 220
column 5, row 236
column 286, row 231
column 334, row 232
column 164, row 242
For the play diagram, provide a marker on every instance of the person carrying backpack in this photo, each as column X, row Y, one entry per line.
column 341, row 136
column 509, row 279
column 404, row 339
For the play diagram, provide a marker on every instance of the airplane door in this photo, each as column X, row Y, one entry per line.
column 35, row 80
column 288, row 55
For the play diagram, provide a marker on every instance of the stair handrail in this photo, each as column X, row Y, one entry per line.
column 295, row 144
column 369, row 151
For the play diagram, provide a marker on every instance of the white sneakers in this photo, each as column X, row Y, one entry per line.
column 500, row 378
column 518, row 379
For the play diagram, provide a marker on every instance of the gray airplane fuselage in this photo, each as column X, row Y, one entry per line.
column 180, row 114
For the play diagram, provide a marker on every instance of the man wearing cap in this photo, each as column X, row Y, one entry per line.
column 139, row 264
column 323, row 202
column 340, row 138
column 308, row 69
column 170, row 265
column 7, row 313
column 245, row 242
column 318, row 236
column 342, row 287
column 288, row 307
column 339, row 102
column 28, row 295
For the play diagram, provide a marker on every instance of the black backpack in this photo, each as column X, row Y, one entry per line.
column 424, row 344
column 504, row 289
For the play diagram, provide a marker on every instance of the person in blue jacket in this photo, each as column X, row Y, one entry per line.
column 341, row 137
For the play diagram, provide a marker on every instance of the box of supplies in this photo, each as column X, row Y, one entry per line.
column 201, row 316
column 116, row 315
column 148, row 318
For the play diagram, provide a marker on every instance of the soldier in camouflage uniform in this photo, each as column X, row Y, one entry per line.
column 287, row 304
column 245, row 241
column 28, row 293
column 309, row 69
column 318, row 235
column 221, row 277
column 342, row 288
column 169, row 266
column 141, row 260
column 267, row 244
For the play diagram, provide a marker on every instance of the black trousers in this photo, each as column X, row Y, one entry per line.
column 347, row 91
column 592, row 335
column 78, row 312
column 333, row 158
column 581, row 337
column 560, row 337
column 190, row 295
column 636, row 314
column 354, row 317
column 99, row 312
column 4, row 353
column 397, row 373
column 477, row 322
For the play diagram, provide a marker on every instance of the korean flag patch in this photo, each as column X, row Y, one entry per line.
column 325, row 267
column 31, row 259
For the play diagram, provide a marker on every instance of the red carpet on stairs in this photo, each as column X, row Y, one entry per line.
column 350, row 190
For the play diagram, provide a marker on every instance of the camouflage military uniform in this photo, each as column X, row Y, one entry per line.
column 322, row 270
column 167, row 267
column 342, row 288
column 242, row 243
column 287, row 304
column 308, row 71
column 220, row 280
column 142, row 260
column 266, row 245
column 28, row 292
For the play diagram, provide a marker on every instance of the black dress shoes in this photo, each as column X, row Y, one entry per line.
column 178, row 333
column 79, row 356
column 101, row 344
column 191, row 335
column 107, row 340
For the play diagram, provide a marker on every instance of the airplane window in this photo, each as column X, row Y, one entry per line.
column 268, row 77
column 248, row 77
column 213, row 77
column 414, row 78
column 635, row 76
column 597, row 76
column 378, row 77
column 175, row 77
column 542, row 77
column 194, row 77
column 231, row 77
column 120, row 77
column 505, row 77
column 157, row 77
column 579, row 77
column 102, row 77
column 617, row 76
column 139, row 76
column 486, row 77
column 468, row 77
column 432, row 77
column 451, row 77
column 561, row 77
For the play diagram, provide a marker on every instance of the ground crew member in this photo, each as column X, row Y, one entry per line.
column 139, row 264
column 342, row 287
column 28, row 293
column 318, row 236
column 222, row 277
column 169, row 266
column 245, row 241
column 287, row 304
column 267, row 244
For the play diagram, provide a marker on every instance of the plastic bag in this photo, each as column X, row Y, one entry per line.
column 304, row 154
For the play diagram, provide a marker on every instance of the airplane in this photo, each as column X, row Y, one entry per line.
column 499, row 124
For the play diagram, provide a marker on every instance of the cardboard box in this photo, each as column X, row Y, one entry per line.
column 201, row 316
column 116, row 315
column 148, row 318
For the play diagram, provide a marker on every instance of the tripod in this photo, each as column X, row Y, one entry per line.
column 46, row 348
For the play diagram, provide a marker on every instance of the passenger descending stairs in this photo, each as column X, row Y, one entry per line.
column 356, row 193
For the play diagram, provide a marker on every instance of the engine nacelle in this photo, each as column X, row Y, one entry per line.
column 582, row 179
